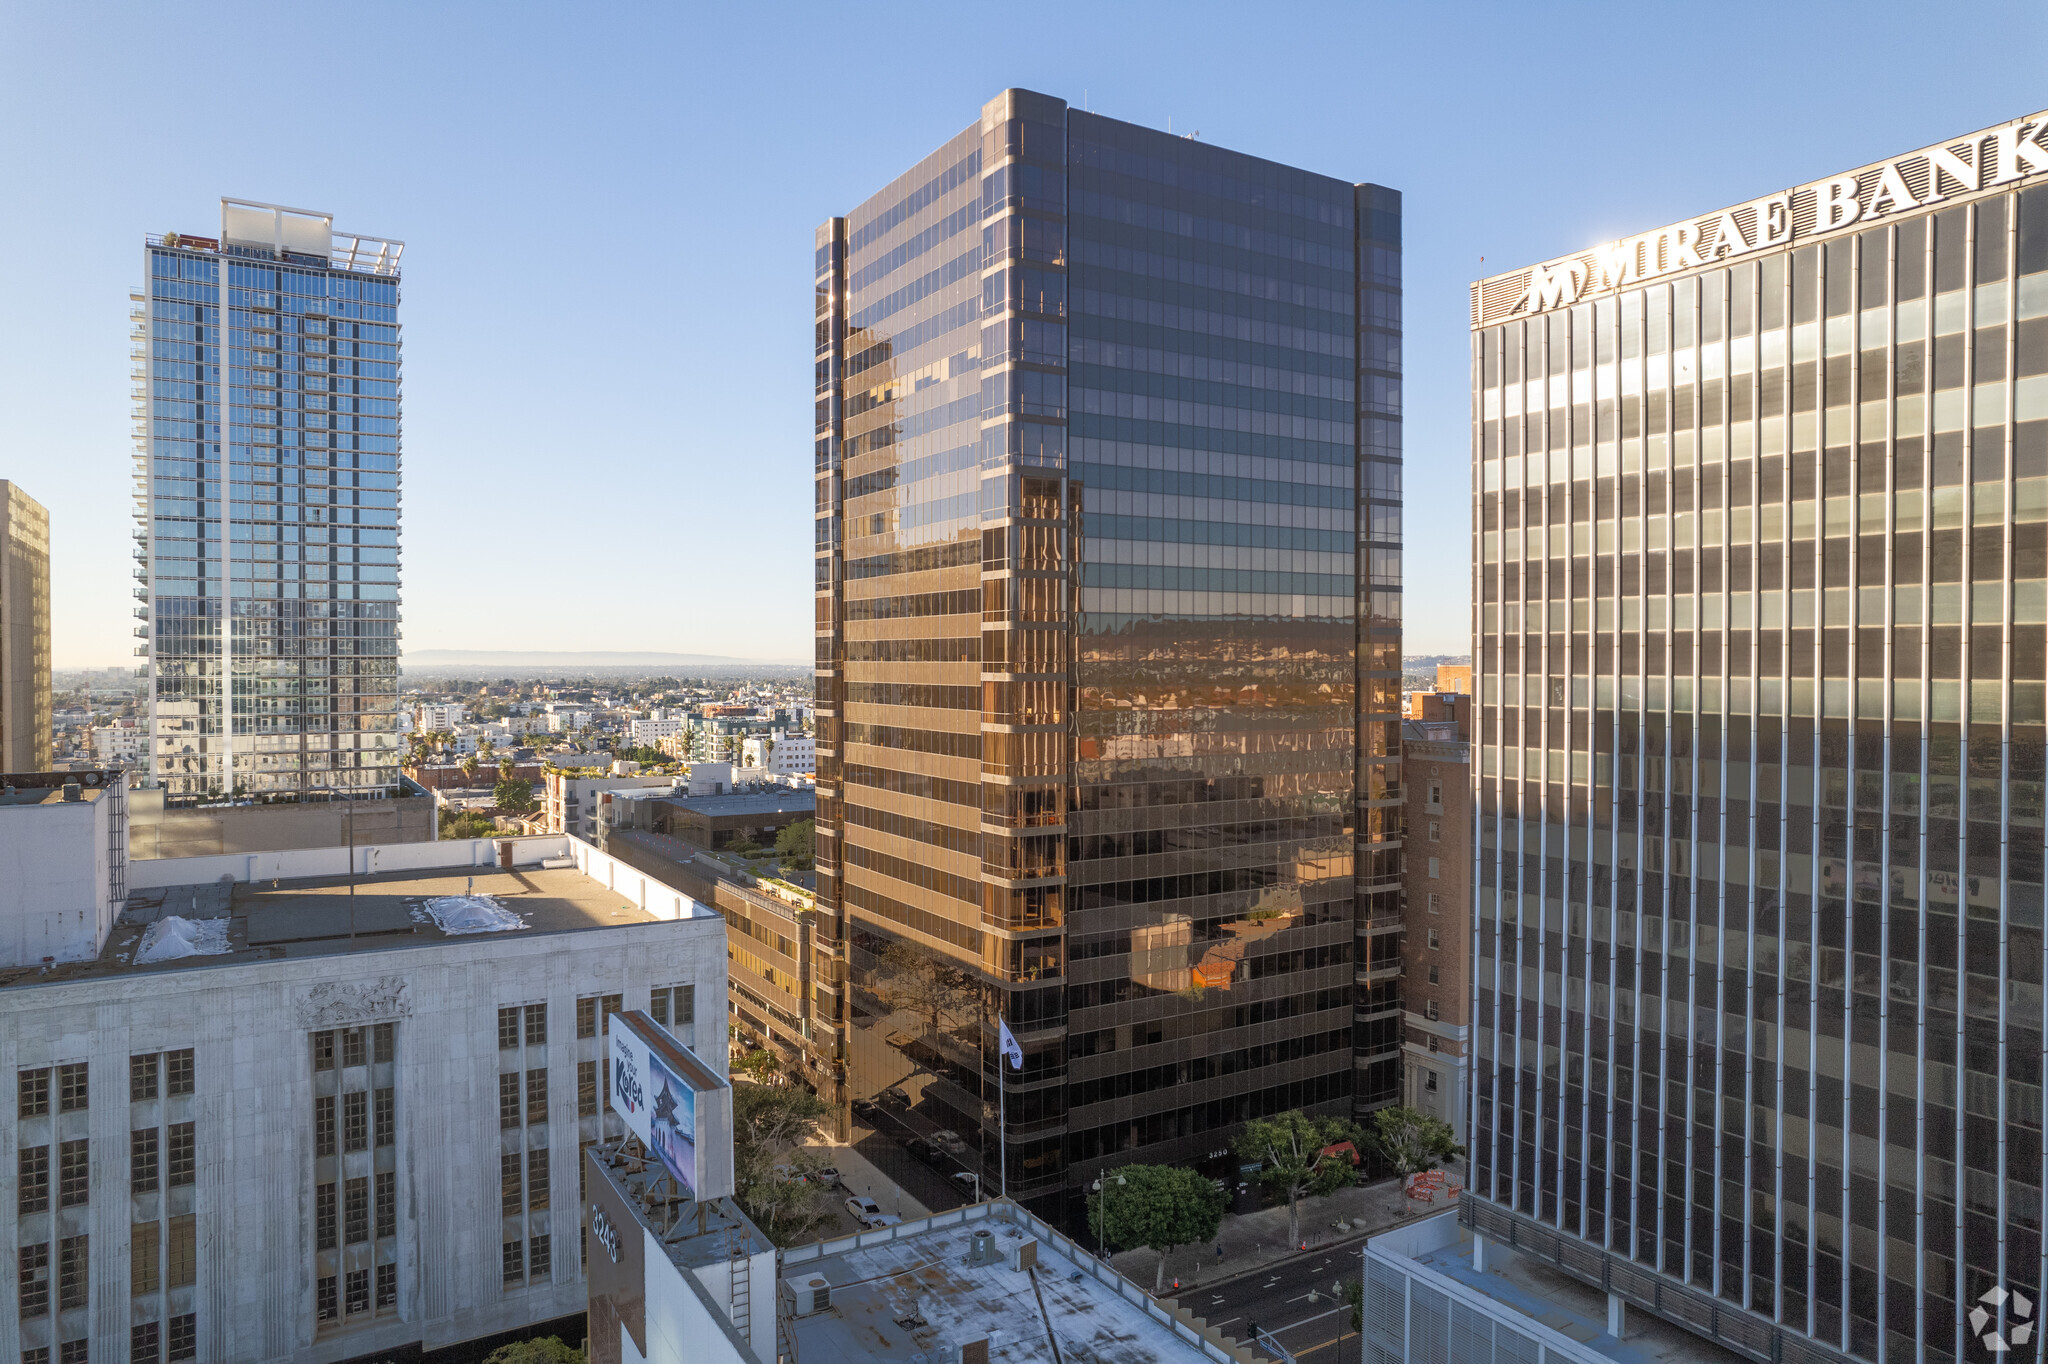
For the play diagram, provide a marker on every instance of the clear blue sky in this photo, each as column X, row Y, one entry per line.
column 608, row 216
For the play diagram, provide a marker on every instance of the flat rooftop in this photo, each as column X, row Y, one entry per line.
column 1575, row 1310
column 786, row 800
column 913, row 1297
column 319, row 916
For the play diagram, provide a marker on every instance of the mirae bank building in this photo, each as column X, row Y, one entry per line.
column 1759, row 599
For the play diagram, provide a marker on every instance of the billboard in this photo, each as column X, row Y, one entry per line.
column 678, row 1107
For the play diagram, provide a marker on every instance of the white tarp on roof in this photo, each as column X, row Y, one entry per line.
column 171, row 937
column 471, row 914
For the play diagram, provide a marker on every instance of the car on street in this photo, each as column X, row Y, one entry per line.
column 896, row 1096
column 948, row 1140
column 864, row 1210
column 827, row 1176
column 920, row 1149
column 865, row 1109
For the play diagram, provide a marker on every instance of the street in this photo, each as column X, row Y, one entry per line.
column 1299, row 1303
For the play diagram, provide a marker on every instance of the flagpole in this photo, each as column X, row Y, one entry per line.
column 1002, row 1123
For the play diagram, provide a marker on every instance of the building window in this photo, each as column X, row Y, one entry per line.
column 178, row 1072
column 356, row 1212
column 1429, row 1009
column 508, row 1028
column 508, row 1183
column 383, row 1043
column 323, row 1125
column 586, row 1089
column 355, row 1121
column 36, row 1354
column 326, row 1217
column 74, row 1267
column 1433, row 976
column 1429, row 1081
column 71, row 1088
column 32, row 1179
column 181, row 1264
column 145, row 1342
column 353, row 1052
column 612, row 1004
column 145, row 1273
column 508, row 1099
column 359, row 1291
column 541, row 1259
column 327, row 1301
column 323, row 1051
column 387, row 1286
column 586, row 1016
column 1436, row 793
column 1434, row 902
column 181, row 1159
column 515, row 1263
column 537, row 1097
column 74, row 1174
column 1433, row 1045
column 537, row 1180
column 74, row 1352
column 35, row 1281
column 34, row 1099
column 142, row 1072
column 387, row 1118
column 1435, row 868
column 184, row 1338
column 387, row 1203
column 1436, row 831
column 675, row 1008
column 1433, row 943
column 536, row 1025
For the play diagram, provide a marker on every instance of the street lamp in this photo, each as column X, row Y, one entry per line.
column 1102, row 1217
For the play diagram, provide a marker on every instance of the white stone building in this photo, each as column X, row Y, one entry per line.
column 441, row 715
column 349, row 1135
column 572, row 799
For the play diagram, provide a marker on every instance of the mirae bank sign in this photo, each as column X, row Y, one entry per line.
column 1983, row 161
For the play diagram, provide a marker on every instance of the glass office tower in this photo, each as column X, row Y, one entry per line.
column 1107, row 441
column 1760, row 591
column 266, row 504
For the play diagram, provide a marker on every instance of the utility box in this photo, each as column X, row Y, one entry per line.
column 813, row 1294
column 1024, row 1255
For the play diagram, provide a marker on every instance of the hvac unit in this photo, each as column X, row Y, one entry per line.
column 813, row 1294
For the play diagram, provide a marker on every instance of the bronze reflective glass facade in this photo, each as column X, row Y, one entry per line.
column 1760, row 589
column 1096, row 464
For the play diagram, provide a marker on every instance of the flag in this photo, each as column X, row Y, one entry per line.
column 1008, row 1044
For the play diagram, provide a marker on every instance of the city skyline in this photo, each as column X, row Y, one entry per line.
column 499, row 456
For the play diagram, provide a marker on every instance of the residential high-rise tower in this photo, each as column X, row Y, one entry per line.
column 24, row 632
column 1108, row 641
column 267, row 468
column 1760, row 589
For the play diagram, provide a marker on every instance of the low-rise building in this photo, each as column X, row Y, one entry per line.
column 573, row 796
column 1436, row 943
column 650, row 733
column 745, row 816
column 780, row 754
column 302, row 1106
column 434, row 716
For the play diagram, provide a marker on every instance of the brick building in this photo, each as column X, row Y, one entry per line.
column 1437, row 947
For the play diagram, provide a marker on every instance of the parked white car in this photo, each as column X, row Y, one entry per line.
column 864, row 1210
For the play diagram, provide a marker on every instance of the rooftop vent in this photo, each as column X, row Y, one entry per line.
column 983, row 1251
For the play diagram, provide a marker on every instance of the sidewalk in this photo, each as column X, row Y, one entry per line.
column 1257, row 1239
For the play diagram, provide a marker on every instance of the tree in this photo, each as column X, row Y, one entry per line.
column 797, row 842
column 773, row 1172
column 1161, row 1206
column 546, row 1350
column 506, row 767
column 513, row 797
column 1289, row 1147
column 760, row 1064
column 469, row 767
column 1411, row 1141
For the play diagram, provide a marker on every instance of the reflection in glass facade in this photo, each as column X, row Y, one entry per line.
column 267, row 369
column 1760, row 593
column 1093, row 640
